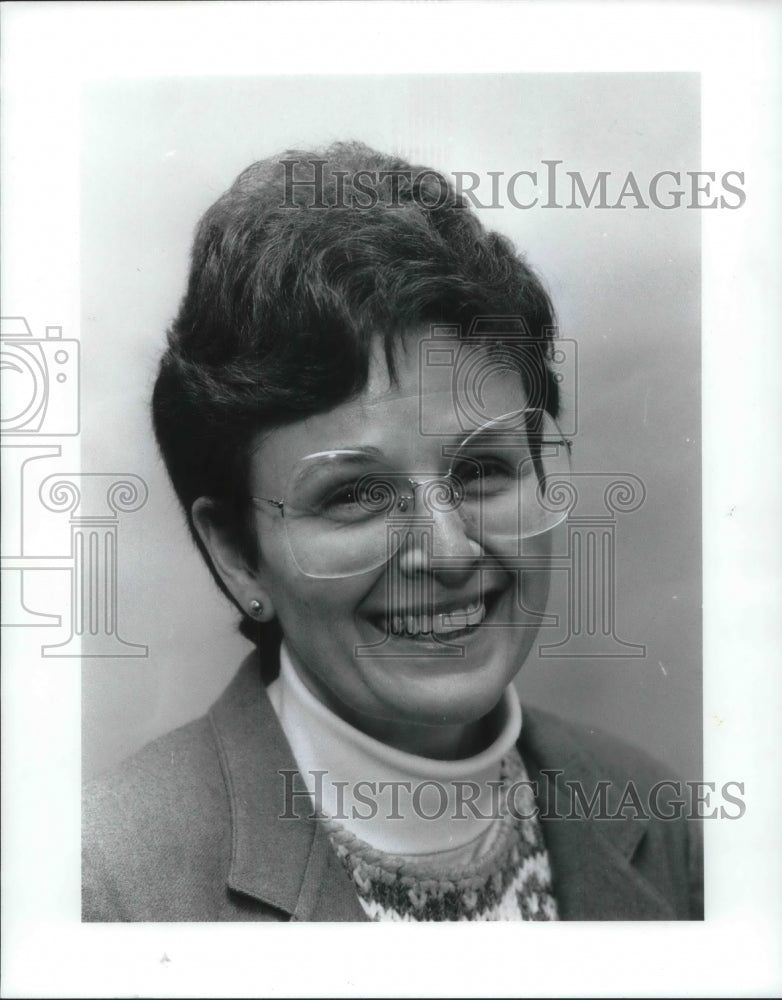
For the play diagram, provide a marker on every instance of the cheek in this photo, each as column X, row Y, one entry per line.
column 540, row 548
column 534, row 598
column 279, row 576
column 300, row 602
column 295, row 595
column 297, row 598
column 534, row 584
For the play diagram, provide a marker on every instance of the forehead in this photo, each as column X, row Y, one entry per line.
column 435, row 395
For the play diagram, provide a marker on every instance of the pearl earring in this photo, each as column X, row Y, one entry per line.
column 256, row 608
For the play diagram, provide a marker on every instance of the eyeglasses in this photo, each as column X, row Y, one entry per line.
column 344, row 511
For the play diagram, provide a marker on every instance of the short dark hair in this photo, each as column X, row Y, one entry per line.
column 286, row 293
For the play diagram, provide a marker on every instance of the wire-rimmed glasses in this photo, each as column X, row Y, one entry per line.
column 343, row 510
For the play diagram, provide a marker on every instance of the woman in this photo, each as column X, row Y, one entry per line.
column 358, row 415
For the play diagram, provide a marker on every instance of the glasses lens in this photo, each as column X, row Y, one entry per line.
column 512, row 474
column 343, row 513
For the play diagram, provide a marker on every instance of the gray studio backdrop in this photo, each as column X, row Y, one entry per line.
column 626, row 283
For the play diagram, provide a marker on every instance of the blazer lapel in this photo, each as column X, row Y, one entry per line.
column 280, row 855
column 591, row 859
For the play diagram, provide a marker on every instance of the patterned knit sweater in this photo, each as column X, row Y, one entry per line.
column 510, row 880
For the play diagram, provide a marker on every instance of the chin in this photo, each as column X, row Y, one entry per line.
column 446, row 690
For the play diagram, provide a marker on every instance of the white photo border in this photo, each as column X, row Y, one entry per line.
column 48, row 52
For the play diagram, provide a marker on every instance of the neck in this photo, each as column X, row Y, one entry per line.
column 444, row 742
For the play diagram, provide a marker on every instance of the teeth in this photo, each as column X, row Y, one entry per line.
column 442, row 624
column 454, row 621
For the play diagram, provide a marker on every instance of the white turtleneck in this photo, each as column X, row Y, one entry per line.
column 448, row 815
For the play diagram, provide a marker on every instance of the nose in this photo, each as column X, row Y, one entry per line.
column 439, row 544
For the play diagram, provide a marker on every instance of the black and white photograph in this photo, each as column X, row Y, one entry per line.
column 366, row 371
column 383, row 540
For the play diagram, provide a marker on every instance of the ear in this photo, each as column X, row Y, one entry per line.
column 239, row 578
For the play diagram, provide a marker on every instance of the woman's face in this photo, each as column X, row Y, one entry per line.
column 370, row 645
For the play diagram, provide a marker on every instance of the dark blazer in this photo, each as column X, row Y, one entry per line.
column 190, row 829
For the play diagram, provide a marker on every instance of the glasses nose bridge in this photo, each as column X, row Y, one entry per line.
column 434, row 530
column 424, row 499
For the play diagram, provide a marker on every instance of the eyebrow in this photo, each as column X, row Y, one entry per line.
column 369, row 451
column 357, row 452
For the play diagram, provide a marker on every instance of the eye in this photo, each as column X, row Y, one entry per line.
column 341, row 502
column 357, row 500
column 484, row 476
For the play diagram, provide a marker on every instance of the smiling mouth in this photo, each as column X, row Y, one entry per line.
column 454, row 622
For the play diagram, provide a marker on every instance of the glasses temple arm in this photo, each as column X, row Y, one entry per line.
column 279, row 504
